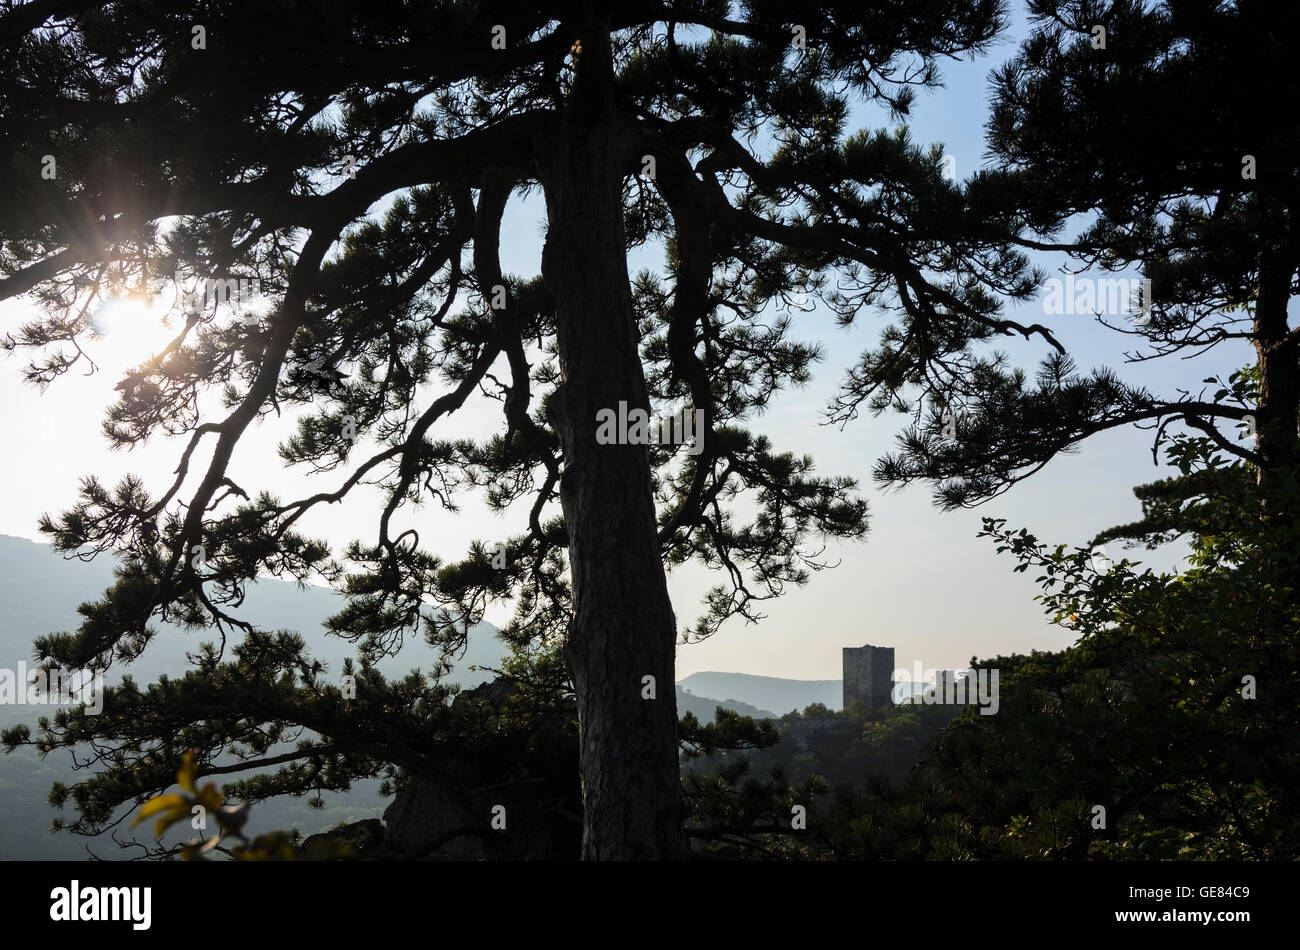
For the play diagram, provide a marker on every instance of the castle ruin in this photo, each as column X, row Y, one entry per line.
column 868, row 676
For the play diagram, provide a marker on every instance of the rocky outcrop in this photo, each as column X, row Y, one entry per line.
column 434, row 816
column 357, row 839
column 513, row 794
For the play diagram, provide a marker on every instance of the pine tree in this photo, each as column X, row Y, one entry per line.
column 355, row 161
column 1158, row 123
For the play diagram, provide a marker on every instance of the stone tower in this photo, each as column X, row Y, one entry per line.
column 868, row 676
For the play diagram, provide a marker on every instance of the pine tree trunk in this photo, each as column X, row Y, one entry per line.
column 1279, row 394
column 1279, row 405
column 623, row 629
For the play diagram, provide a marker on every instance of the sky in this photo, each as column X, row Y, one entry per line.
column 921, row 581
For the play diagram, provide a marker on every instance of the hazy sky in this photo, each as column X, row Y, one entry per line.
column 921, row 581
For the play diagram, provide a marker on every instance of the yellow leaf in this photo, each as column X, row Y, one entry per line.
column 178, row 813
column 209, row 797
column 185, row 777
column 155, row 805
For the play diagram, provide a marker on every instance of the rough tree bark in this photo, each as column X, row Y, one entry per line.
column 623, row 628
column 1276, row 349
column 1277, row 446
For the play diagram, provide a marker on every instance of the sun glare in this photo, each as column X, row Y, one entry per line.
column 129, row 329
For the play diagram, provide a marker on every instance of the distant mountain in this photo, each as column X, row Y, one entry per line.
column 705, row 708
column 766, row 692
column 40, row 591
column 775, row 692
